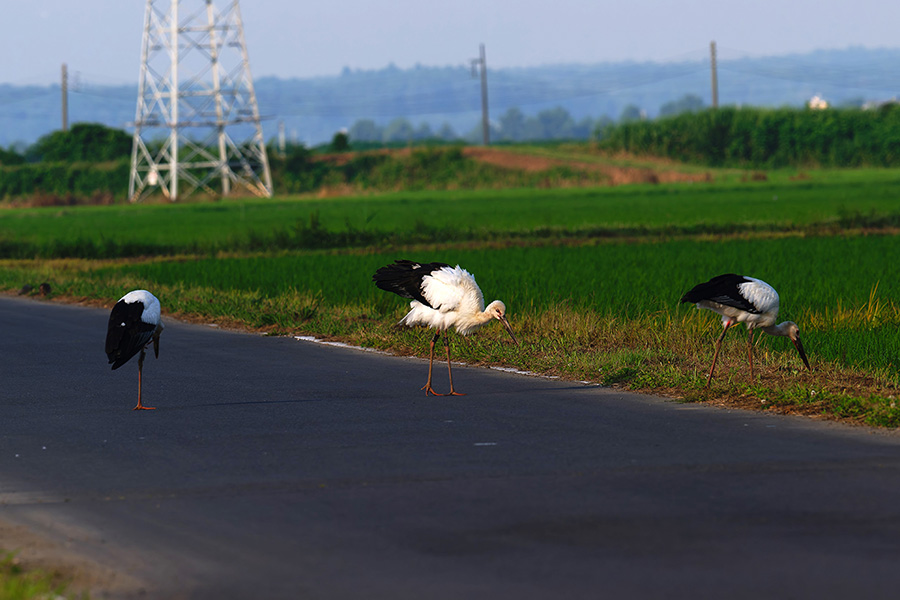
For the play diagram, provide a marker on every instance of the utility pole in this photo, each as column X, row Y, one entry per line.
column 715, row 77
column 485, row 123
column 65, row 98
column 195, row 96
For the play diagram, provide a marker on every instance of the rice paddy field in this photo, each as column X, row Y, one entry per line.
column 591, row 277
column 786, row 201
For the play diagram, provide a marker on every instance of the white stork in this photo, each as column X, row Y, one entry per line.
column 441, row 297
column 740, row 299
column 133, row 324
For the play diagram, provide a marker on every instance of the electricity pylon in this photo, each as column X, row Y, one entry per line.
column 195, row 96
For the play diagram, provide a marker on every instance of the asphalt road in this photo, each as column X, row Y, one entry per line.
column 280, row 468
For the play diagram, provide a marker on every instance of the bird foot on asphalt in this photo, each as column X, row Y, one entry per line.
column 430, row 390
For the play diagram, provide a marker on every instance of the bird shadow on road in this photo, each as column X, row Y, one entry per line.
column 250, row 402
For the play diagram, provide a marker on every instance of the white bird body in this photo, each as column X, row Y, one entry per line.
column 134, row 323
column 441, row 297
column 741, row 299
column 759, row 309
column 454, row 300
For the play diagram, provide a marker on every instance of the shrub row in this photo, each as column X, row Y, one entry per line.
column 81, row 179
column 754, row 137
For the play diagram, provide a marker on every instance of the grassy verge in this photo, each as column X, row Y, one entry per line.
column 18, row 583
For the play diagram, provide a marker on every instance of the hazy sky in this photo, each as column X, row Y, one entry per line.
column 100, row 39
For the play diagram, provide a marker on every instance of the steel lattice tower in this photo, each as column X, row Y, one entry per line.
column 195, row 97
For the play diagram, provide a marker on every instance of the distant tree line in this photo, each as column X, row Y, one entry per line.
column 511, row 126
column 399, row 130
column 552, row 124
column 514, row 126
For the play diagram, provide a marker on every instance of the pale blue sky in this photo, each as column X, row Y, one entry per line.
column 100, row 39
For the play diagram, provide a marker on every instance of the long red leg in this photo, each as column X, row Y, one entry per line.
column 449, row 370
column 716, row 354
column 427, row 387
column 140, row 376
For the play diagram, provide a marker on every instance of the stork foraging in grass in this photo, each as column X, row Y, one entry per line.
column 133, row 324
column 740, row 299
column 441, row 297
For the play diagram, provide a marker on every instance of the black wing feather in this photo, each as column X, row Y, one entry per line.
column 722, row 289
column 404, row 278
column 126, row 334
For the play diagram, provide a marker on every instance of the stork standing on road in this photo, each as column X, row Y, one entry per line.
column 441, row 297
column 133, row 324
column 745, row 300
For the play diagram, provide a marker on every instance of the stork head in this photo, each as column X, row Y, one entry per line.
column 793, row 333
column 497, row 310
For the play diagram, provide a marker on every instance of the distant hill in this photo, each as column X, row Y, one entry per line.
column 312, row 110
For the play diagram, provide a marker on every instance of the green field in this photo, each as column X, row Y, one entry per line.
column 591, row 277
column 826, row 199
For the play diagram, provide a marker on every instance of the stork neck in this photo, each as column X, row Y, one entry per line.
column 781, row 329
column 481, row 318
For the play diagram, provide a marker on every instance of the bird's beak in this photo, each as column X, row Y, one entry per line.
column 156, row 333
column 509, row 329
column 799, row 346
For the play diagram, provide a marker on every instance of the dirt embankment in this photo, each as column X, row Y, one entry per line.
column 617, row 175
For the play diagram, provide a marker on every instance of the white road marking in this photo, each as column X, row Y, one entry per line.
column 315, row 340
